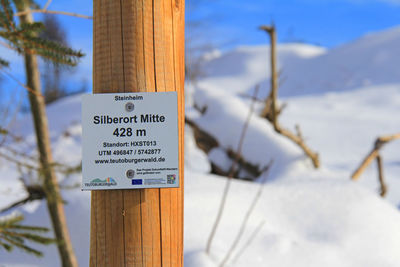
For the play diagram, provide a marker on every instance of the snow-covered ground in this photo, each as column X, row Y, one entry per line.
column 342, row 99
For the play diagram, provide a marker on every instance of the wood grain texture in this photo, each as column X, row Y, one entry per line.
column 139, row 47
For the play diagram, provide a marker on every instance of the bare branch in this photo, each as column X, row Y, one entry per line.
column 18, row 162
column 244, row 131
column 381, row 178
column 249, row 241
column 252, row 97
column 379, row 143
column 271, row 110
column 71, row 14
column 246, row 217
column 21, row 83
column 47, row 4
column 298, row 132
column 231, row 173
column 35, row 192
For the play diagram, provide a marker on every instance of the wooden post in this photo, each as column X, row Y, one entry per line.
column 139, row 47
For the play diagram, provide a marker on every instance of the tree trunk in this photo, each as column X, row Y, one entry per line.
column 139, row 47
column 50, row 184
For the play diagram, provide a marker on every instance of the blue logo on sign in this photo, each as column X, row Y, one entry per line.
column 137, row 181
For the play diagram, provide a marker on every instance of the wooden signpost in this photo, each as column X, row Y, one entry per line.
column 139, row 47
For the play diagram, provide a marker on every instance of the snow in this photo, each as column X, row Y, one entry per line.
column 308, row 217
column 308, row 222
column 243, row 68
column 344, row 126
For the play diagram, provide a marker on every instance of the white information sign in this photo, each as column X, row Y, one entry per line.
column 130, row 140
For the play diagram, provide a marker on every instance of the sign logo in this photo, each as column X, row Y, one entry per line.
column 98, row 182
column 171, row 179
column 137, row 181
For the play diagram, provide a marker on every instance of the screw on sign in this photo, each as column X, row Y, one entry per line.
column 130, row 174
column 129, row 106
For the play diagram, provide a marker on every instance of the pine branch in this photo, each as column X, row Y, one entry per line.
column 28, row 236
column 13, row 234
column 13, row 237
column 6, row 246
column 13, row 42
column 3, row 131
column 22, row 246
column 29, row 228
column 10, row 220
column 7, row 15
column 53, row 51
column 24, row 39
column 30, row 27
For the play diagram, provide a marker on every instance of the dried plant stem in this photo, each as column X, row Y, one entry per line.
column 246, row 218
column 300, row 142
column 44, row 10
column 249, row 241
column 47, row 4
column 71, row 14
column 380, row 175
column 379, row 143
column 12, row 77
column 231, row 173
column 271, row 110
column 19, row 163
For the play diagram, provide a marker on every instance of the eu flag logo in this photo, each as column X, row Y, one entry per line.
column 137, row 181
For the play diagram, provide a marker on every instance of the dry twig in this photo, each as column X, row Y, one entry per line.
column 45, row 10
column 230, row 176
column 300, row 142
column 272, row 111
column 374, row 154
column 249, row 241
column 380, row 175
column 246, row 217
column 71, row 14
column 21, row 83
column 379, row 143
column 35, row 192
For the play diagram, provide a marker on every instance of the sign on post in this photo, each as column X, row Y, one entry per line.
column 130, row 141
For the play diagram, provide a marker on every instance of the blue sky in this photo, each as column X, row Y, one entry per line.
column 229, row 23
column 232, row 22
column 324, row 22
